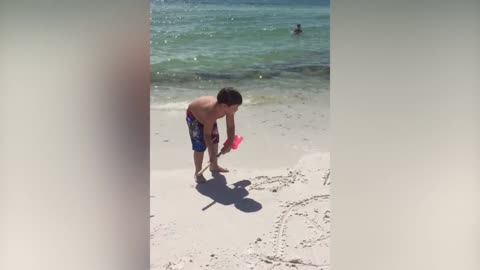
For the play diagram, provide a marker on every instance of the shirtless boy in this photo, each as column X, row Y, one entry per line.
column 202, row 114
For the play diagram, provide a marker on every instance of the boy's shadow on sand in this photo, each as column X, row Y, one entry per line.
column 219, row 192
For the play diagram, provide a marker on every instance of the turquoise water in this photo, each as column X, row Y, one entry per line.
column 201, row 46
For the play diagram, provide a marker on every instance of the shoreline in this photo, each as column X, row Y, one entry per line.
column 275, row 135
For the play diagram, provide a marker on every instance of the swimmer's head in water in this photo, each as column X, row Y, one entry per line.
column 298, row 26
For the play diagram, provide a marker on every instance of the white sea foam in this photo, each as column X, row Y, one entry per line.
column 181, row 105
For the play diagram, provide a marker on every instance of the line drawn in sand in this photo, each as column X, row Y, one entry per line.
column 311, row 213
column 281, row 226
column 276, row 183
column 326, row 178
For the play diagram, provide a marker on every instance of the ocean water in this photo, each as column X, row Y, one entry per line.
column 198, row 47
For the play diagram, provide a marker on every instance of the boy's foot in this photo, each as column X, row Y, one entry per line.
column 199, row 178
column 216, row 168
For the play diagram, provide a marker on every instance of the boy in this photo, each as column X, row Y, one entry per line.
column 202, row 114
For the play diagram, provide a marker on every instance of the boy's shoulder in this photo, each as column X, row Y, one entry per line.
column 210, row 98
column 204, row 99
column 204, row 107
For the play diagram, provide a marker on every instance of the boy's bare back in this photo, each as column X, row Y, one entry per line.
column 203, row 108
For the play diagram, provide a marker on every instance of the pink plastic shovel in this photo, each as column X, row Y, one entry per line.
column 236, row 142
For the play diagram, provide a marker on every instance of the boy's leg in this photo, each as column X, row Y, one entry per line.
column 195, row 129
column 214, row 167
column 198, row 160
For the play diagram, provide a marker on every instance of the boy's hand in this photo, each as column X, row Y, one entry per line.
column 226, row 149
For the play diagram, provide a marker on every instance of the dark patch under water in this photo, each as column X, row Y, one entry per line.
column 275, row 71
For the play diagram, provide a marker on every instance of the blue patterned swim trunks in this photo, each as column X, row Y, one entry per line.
column 195, row 129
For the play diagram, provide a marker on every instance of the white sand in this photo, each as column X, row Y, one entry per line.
column 271, row 211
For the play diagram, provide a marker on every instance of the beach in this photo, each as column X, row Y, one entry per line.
column 272, row 210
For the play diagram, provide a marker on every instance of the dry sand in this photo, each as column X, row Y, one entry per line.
column 271, row 211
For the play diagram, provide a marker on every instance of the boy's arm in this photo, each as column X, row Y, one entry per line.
column 230, row 119
column 207, row 135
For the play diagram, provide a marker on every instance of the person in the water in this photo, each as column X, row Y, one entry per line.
column 298, row 30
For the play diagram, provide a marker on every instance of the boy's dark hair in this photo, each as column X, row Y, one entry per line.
column 229, row 96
